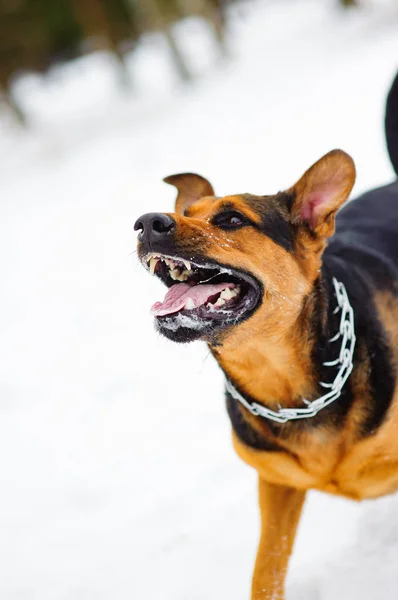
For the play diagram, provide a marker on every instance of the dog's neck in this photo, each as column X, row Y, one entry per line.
column 283, row 367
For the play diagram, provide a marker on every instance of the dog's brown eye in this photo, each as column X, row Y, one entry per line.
column 229, row 220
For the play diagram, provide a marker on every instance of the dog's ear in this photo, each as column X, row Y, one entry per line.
column 321, row 191
column 191, row 187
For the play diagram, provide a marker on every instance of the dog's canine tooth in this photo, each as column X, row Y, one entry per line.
column 187, row 264
column 189, row 304
column 152, row 264
column 220, row 302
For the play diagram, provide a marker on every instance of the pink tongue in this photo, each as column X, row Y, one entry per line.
column 179, row 294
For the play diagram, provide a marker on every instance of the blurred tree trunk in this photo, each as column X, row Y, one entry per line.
column 157, row 15
column 14, row 106
column 348, row 3
column 178, row 59
column 92, row 19
column 213, row 11
column 100, row 31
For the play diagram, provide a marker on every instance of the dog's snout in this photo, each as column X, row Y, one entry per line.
column 154, row 226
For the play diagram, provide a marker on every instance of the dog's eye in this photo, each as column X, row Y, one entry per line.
column 230, row 220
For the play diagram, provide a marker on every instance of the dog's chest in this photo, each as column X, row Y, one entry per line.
column 368, row 470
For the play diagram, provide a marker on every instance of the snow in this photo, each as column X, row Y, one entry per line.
column 118, row 478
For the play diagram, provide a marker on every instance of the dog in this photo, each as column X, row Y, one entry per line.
column 298, row 303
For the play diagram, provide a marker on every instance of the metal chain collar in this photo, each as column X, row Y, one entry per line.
column 346, row 333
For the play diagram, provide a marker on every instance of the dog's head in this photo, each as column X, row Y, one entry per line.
column 241, row 264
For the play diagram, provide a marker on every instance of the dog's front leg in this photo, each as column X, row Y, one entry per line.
column 280, row 509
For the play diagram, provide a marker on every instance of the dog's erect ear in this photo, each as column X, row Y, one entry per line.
column 321, row 191
column 191, row 187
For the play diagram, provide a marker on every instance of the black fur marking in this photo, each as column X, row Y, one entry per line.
column 245, row 433
column 182, row 335
column 277, row 229
column 382, row 393
column 324, row 300
column 364, row 255
column 223, row 220
column 372, row 257
column 372, row 340
column 382, row 376
column 275, row 224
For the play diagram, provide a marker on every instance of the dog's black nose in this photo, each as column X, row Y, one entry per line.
column 154, row 227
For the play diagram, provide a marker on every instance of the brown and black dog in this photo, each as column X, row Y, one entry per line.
column 280, row 298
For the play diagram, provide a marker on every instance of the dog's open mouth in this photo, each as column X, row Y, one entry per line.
column 201, row 293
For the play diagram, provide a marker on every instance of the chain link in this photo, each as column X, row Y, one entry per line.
column 345, row 360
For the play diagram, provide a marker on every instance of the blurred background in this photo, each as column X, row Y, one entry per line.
column 117, row 478
column 38, row 34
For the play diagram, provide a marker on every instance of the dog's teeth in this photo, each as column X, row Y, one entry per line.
column 220, row 302
column 185, row 275
column 229, row 293
column 175, row 274
column 235, row 291
column 187, row 264
column 189, row 304
column 171, row 265
column 152, row 264
column 226, row 294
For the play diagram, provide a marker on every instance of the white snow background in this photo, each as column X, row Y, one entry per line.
column 117, row 477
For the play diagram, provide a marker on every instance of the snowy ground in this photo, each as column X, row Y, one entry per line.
column 118, row 479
